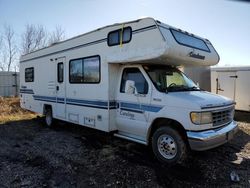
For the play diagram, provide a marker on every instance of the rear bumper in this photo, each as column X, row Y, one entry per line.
column 212, row 138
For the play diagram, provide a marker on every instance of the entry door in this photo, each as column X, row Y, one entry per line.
column 226, row 84
column 60, row 110
column 133, row 109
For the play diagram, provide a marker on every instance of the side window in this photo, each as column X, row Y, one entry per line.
column 135, row 75
column 120, row 36
column 91, row 67
column 190, row 41
column 85, row 70
column 75, row 71
column 29, row 74
column 60, row 72
column 127, row 34
column 113, row 38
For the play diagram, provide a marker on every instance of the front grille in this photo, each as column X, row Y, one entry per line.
column 223, row 116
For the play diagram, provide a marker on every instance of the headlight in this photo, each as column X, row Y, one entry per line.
column 201, row 117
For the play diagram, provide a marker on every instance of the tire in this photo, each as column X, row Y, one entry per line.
column 49, row 120
column 168, row 146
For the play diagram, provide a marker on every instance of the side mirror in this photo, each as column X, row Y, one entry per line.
column 198, row 85
column 130, row 87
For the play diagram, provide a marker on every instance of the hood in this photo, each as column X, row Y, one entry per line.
column 197, row 99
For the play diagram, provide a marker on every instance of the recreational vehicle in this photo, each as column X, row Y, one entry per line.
column 123, row 79
column 234, row 83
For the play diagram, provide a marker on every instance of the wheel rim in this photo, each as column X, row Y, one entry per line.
column 167, row 146
column 48, row 118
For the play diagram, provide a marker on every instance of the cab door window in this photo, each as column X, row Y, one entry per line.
column 135, row 75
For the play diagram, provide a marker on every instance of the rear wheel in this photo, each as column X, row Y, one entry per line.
column 49, row 117
column 168, row 145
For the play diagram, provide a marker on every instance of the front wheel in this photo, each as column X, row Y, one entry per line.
column 168, row 145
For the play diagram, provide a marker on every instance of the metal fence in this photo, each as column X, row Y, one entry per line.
column 9, row 84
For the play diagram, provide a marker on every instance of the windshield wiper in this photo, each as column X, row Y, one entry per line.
column 194, row 88
column 177, row 88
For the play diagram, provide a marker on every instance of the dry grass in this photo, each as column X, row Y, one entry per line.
column 10, row 110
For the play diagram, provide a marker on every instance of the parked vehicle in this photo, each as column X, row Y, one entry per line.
column 123, row 79
column 234, row 83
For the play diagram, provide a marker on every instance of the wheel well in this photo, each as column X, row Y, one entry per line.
column 159, row 122
column 46, row 107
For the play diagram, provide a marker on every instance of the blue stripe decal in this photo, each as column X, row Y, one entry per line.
column 133, row 110
column 60, row 100
column 44, row 98
column 87, row 102
column 27, row 91
column 132, row 106
column 151, row 108
column 112, row 105
column 85, row 105
column 77, row 102
column 137, row 108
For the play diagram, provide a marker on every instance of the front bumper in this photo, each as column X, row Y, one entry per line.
column 205, row 140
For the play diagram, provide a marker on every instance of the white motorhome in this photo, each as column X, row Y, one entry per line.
column 123, row 79
column 234, row 83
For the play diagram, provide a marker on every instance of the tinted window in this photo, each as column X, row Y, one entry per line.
column 60, row 72
column 85, row 70
column 120, row 36
column 91, row 69
column 127, row 33
column 114, row 38
column 76, row 71
column 188, row 40
column 29, row 74
column 135, row 75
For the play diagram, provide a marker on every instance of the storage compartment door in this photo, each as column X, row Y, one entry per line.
column 242, row 92
column 226, row 84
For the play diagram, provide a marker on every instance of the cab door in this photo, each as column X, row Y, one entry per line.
column 133, row 109
column 60, row 110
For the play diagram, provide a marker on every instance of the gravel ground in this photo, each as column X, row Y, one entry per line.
column 32, row 155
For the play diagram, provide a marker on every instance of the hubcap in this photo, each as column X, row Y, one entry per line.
column 167, row 146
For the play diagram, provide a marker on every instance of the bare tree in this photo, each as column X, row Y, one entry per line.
column 37, row 37
column 3, row 61
column 56, row 36
column 11, row 49
column 40, row 37
column 27, row 39
column 34, row 38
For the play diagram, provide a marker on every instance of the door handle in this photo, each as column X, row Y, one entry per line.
column 57, row 88
column 233, row 76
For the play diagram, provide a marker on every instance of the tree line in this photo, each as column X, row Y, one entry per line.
column 34, row 37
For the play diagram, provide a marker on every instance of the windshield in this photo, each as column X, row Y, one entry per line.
column 168, row 79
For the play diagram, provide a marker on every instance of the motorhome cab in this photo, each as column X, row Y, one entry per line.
column 123, row 79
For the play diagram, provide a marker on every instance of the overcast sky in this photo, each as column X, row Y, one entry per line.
column 225, row 23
